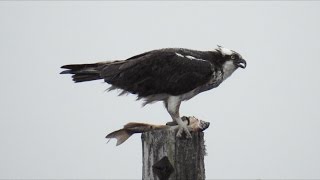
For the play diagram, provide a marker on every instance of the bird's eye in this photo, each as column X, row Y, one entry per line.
column 233, row 57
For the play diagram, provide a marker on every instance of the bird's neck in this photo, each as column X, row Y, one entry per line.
column 228, row 68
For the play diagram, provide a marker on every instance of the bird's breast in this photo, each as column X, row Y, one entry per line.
column 215, row 80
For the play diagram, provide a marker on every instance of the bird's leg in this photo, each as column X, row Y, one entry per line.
column 173, row 122
column 173, row 105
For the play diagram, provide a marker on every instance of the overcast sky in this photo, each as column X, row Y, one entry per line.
column 264, row 119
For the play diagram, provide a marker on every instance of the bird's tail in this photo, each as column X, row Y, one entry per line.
column 83, row 72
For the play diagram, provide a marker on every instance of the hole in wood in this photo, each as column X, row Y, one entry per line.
column 163, row 168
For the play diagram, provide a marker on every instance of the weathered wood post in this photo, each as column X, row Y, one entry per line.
column 167, row 157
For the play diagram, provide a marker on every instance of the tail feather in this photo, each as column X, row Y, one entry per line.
column 85, row 77
column 83, row 72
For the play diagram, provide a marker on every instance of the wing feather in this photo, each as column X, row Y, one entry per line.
column 159, row 72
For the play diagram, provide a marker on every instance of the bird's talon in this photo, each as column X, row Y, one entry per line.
column 184, row 128
column 185, row 118
column 171, row 123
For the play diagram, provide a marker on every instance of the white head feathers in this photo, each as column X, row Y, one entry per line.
column 224, row 51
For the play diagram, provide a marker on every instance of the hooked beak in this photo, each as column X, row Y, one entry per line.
column 241, row 63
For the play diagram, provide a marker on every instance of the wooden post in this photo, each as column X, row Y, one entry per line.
column 166, row 157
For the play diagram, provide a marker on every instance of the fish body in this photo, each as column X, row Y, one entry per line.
column 131, row 128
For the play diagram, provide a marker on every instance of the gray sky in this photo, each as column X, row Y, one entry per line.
column 264, row 119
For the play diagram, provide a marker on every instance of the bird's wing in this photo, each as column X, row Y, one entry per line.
column 159, row 72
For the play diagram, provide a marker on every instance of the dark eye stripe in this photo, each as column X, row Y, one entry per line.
column 235, row 56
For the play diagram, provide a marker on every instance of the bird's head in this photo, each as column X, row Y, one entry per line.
column 231, row 59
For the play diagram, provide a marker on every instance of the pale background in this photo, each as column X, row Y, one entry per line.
column 264, row 119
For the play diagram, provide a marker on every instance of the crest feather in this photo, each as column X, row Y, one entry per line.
column 224, row 51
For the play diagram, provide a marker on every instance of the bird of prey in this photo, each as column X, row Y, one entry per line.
column 171, row 75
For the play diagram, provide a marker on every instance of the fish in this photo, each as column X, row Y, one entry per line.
column 121, row 135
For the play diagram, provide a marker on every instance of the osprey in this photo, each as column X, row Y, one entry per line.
column 171, row 75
